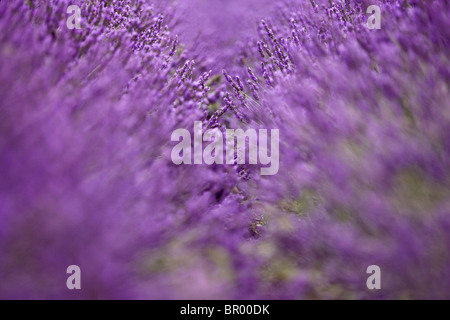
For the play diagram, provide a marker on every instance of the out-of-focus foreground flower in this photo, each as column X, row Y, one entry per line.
column 86, row 176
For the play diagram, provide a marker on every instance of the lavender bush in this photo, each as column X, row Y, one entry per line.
column 87, row 178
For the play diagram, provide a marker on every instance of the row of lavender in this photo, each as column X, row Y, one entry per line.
column 87, row 179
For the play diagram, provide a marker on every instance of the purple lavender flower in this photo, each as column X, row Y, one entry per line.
column 86, row 177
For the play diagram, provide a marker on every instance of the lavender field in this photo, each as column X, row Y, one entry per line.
column 89, row 105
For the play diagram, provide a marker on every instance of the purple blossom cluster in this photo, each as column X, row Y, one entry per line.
column 86, row 176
